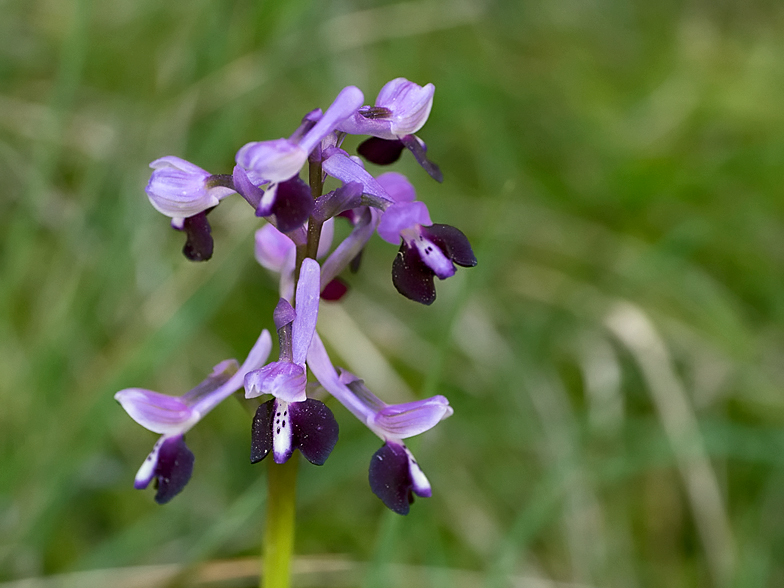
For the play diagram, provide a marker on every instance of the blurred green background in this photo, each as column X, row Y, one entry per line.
column 615, row 360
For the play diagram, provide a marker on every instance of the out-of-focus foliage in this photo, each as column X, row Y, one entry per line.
column 615, row 360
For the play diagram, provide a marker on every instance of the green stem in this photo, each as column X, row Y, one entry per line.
column 278, row 543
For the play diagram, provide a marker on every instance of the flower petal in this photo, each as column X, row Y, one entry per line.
column 345, row 104
column 351, row 247
column 282, row 432
column 253, row 194
column 410, row 104
column 315, row 429
column 411, row 277
column 307, row 302
column 273, row 248
column 261, row 433
column 397, row 186
column 199, row 244
column 453, row 242
column 327, row 236
column 395, row 477
column 275, row 161
column 412, row 418
column 400, row 217
column 282, row 379
column 321, row 366
column 293, row 204
column 419, row 150
column 157, row 412
column 173, row 469
column 433, row 257
column 381, row 151
column 339, row 165
column 177, row 188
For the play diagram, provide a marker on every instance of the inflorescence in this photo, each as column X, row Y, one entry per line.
column 298, row 232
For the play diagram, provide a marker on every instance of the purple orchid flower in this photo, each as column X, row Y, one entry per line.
column 186, row 193
column 291, row 420
column 277, row 164
column 395, row 476
column 180, row 189
column 427, row 250
column 171, row 462
column 402, row 108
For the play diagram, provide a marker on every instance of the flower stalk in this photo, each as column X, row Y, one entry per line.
column 278, row 545
column 299, row 231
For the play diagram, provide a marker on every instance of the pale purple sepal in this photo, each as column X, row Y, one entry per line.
column 412, row 418
column 350, row 247
column 339, row 165
column 274, row 249
column 250, row 192
column 397, row 186
column 402, row 107
column 307, row 123
column 347, row 197
column 322, row 368
column 156, row 412
column 410, row 104
column 275, row 160
column 307, row 303
column 389, row 421
column 177, row 188
column 327, row 236
column 346, row 103
column 398, row 421
column 282, row 379
column 402, row 216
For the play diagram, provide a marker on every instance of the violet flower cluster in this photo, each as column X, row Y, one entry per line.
column 297, row 234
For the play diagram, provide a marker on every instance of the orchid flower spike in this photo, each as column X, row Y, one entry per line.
column 277, row 164
column 394, row 475
column 402, row 108
column 291, row 420
column 171, row 462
